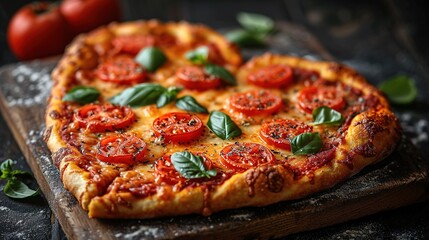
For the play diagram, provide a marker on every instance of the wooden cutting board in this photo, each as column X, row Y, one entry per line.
column 399, row 180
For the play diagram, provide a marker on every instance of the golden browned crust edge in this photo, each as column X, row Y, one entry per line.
column 74, row 178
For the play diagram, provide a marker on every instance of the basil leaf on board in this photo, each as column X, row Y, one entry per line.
column 306, row 143
column 17, row 189
column 82, row 94
column 140, row 95
column 188, row 103
column 6, row 169
column 167, row 96
column 245, row 38
column 151, row 58
column 221, row 72
column 14, row 188
column 327, row 115
column 6, row 165
column 198, row 56
column 254, row 22
column 190, row 165
column 400, row 89
column 223, row 126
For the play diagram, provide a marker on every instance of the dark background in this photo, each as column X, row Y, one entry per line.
column 378, row 38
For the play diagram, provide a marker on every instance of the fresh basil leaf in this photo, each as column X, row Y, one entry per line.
column 82, row 95
column 140, row 95
column 6, row 170
column 221, row 72
column 245, row 38
column 151, row 58
column 254, row 22
column 190, row 165
column 400, row 89
column 306, row 143
column 223, row 126
column 6, row 165
column 188, row 103
column 18, row 189
column 327, row 115
column 167, row 96
column 199, row 55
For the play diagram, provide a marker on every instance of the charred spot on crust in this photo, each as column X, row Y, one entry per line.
column 335, row 67
column 87, row 162
column 60, row 154
column 274, row 181
column 251, row 178
column 377, row 122
column 54, row 114
column 348, row 161
column 47, row 133
column 366, row 150
column 371, row 127
column 373, row 124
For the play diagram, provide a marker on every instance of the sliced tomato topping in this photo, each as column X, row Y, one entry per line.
column 132, row 44
column 165, row 171
column 178, row 127
column 122, row 148
column 272, row 76
column 121, row 69
column 279, row 132
column 313, row 97
column 194, row 78
column 104, row 117
column 242, row 156
column 256, row 102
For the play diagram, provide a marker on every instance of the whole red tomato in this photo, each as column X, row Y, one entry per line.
column 85, row 15
column 38, row 30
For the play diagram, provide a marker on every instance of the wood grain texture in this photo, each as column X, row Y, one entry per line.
column 399, row 180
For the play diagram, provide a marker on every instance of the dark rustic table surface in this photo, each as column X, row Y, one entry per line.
column 378, row 38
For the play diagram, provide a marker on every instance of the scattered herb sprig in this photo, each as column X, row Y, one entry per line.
column 14, row 187
column 400, row 89
column 255, row 28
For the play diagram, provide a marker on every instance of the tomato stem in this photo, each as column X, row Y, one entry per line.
column 40, row 8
